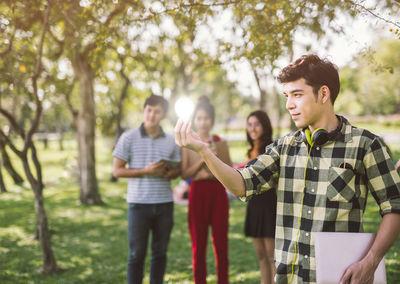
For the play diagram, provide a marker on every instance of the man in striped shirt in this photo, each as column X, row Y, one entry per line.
column 322, row 173
column 137, row 157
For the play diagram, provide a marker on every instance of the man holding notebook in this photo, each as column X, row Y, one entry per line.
column 143, row 155
column 322, row 173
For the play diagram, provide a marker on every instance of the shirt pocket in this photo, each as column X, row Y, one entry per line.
column 341, row 185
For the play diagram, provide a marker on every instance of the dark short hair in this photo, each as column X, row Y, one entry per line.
column 315, row 71
column 154, row 100
column 266, row 136
column 204, row 104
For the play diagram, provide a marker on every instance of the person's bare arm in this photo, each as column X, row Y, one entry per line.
column 223, row 151
column 120, row 169
column 189, row 171
column 229, row 177
column 363, row 271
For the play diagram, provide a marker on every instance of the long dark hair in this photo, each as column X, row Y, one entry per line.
column 266, row 136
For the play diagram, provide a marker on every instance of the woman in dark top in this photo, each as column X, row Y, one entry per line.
column 261, row 209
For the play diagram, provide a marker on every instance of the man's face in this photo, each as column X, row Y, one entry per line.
column 301, row 103
column 152, row 115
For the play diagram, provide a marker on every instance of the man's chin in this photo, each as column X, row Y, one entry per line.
column 299, row 124
column 150, row 125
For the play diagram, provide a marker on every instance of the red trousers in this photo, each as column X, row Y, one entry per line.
column 208, row 206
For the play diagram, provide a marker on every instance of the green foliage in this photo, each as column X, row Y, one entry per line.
column 163, row 54
column 372, row 86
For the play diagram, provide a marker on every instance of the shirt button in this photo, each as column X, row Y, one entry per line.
column 313, row 190
column 306, row 256
column 307, row 234
column 317, row 148
column 309, row 212
column 315, row 168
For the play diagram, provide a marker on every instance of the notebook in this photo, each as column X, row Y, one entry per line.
column 335, row 252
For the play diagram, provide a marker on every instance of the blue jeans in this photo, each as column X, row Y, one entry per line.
column 143, row 218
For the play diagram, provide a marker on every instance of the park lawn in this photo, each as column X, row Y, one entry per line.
column 90, row 242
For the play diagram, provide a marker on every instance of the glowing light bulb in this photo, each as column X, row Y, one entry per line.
column 184, row 108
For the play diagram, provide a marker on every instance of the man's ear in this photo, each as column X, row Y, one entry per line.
column 325, row 93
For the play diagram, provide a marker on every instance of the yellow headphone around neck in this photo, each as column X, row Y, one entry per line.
column 318, row 137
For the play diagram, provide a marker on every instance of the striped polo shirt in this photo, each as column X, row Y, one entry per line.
column 138, row 149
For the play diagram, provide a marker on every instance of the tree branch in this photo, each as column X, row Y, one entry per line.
column 60, row 43
column 37, row 70
column 114, row 13
column 9, row 47
column 10, row 144
column 13, row 122
column 368, row 10
column 184, row 6
column 36, row 162
column 124, row 92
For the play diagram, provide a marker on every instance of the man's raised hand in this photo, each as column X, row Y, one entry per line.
column 186, row 137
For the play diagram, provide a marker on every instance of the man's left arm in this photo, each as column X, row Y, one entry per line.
column 364, row 270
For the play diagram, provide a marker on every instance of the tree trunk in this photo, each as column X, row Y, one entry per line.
column 89, row 192
column 2, row 185
column 49, row 264
column 60, row 140
column 263, row 99
column 123, row 96
column 59, row 128
column 8, row 166
column 263, row 93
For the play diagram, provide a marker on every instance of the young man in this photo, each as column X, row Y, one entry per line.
column 322, row 173
column 137, row 157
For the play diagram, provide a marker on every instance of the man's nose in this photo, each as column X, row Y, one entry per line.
column 289, row 104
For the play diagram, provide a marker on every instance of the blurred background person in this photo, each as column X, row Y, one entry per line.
column 181, row 192
column 137, row 157
column 261, row 209
column 208, row 200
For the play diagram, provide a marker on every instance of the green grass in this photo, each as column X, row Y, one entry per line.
column 90, row 242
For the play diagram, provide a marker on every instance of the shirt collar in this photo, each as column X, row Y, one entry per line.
column 344, row 132
column 143, row 132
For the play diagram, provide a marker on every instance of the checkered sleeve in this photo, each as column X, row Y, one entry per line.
column 261, row 173
column 121, row 150
column 383, row 179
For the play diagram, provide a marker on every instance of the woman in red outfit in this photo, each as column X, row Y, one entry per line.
column 208, row 200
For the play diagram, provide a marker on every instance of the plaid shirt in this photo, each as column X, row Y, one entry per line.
column 329, row 195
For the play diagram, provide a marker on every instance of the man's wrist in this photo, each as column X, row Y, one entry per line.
column 145, row 171
column 205, row 152
column 372, row 259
